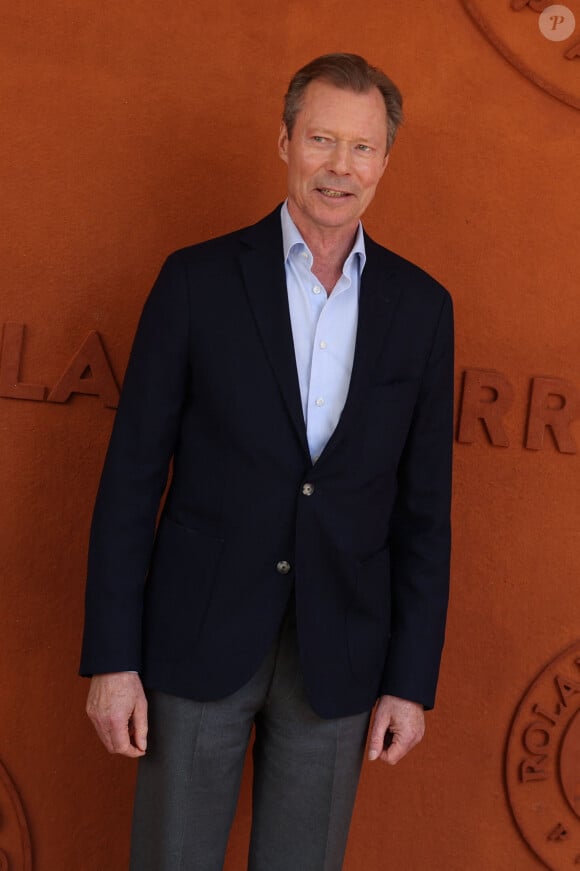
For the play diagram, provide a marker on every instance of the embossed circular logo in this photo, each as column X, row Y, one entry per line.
column 15, row 851
column 543, row 763
column 540, row 38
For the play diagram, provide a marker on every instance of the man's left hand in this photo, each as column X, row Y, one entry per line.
column 398, row 725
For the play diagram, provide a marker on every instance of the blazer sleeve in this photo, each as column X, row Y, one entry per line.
column 420, row 534
column 134, row 476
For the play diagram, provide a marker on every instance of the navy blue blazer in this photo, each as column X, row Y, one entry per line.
column 211, row 385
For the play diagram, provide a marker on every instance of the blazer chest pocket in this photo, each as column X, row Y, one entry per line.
column 178, row 589
column 387, row 417
column 395, row 390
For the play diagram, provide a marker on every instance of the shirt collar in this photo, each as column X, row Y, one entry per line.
column 291, row 238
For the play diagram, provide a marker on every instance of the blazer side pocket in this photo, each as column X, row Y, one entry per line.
column 178, row 589
column 368, row 618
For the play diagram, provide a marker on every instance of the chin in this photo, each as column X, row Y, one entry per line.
column 336, row 219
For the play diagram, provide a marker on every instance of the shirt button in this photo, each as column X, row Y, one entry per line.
column 307, row 489
column 304, row 255
column 283, row 567
column 323, row 345
column 316, row 289
column 320, row 401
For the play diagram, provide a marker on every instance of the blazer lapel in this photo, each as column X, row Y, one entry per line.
column 379, row 294
column 262, row 263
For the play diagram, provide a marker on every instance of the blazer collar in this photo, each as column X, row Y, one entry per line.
column 262, row 263
column 379, row 294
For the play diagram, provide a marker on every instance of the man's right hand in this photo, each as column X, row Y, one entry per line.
column 118, row 709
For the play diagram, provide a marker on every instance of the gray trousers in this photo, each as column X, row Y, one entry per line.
column 306, row 772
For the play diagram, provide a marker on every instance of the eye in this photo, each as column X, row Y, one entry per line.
column 366, row 149
column 319, row 139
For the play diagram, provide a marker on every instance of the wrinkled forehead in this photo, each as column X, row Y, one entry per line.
column 352, row 113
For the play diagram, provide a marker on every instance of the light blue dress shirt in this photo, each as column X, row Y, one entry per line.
column 324, row 331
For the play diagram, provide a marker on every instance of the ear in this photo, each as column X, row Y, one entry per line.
column 283, row 140
column 385, row 162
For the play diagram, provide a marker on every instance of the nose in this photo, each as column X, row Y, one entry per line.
column 339, row 159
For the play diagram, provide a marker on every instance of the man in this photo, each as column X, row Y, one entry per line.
column 300, row 378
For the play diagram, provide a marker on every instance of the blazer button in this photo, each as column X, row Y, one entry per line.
column 283, row 567
column 307, row 489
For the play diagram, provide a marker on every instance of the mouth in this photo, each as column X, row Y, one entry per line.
column 333, row 194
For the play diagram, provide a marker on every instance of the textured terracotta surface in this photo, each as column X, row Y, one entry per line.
column 539, row 43
column 132, row 129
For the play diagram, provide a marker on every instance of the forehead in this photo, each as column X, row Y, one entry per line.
column 343, row 111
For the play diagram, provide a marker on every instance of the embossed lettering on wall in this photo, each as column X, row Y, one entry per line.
column 487, row 397
column 15, row 850
column 539, row 38
column 543, row 763
column 88, row 372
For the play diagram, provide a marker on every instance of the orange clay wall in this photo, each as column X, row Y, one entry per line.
column 130, row 129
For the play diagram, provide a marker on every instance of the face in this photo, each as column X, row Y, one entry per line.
column 335, row 157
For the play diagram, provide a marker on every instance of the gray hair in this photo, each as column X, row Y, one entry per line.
column 349, row 72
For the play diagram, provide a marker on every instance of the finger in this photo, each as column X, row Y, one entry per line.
column 120, row 739
column 402, row 743
column 104, row 737
column 398, row 749
column 138, row 725
column 114, row 740
column 380, row 737
column 101, row 726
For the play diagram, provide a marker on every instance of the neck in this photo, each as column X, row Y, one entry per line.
column 330, row 246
